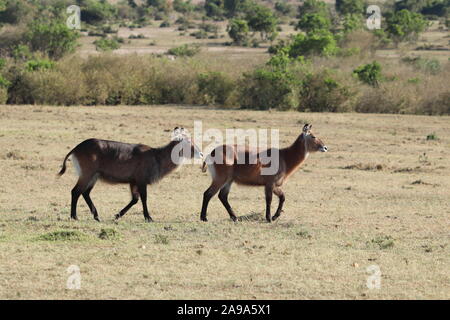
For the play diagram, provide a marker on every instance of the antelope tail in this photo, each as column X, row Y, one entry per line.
column 63, row 169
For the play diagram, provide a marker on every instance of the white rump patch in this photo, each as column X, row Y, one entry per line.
column 76, row 165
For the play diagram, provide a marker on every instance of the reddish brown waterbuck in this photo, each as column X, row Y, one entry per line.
column 135, row 164
column 230, row 169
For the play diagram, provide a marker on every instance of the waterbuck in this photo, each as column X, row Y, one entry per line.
column 117, row 162
column 230, row 169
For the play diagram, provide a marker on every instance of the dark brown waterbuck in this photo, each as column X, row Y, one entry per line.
column 227, row 168
column 117, row 162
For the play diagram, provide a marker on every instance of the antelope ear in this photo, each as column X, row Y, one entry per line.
column 176, row 134
column 307, row 128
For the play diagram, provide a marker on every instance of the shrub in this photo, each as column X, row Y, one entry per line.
column 215, row 87
column 369, row 73
column 283, row 8
column 106, row 44
column 39, row 64
column 54, row 39
column 238, row 31
column 263, row 89
column 405, row 25
column 261, row 19
column 312, row 22
column 431, row 66
column 350, row 6
column 352, row 22
column 185, row 50
column 320, row 42
column 322, row 92
column 314, row 6
column 93, row 11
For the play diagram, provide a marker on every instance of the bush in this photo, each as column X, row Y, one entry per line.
column 283, row 8
column 369, row 73
column 215, row 87
column 319, row 42
column 36, row 64
column 430, row 66
column 312, row 22
column 322, row 92
column 238, row 31
column 185, row 50
column 54, row 39
column 94, row 11
column 350, row 6
column 106, row 44
column 314, row 6
column 405, row 25
column 261, row 19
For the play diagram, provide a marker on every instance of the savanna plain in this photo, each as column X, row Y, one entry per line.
column 379, row 197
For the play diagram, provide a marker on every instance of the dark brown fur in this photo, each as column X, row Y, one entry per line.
column 117, row 162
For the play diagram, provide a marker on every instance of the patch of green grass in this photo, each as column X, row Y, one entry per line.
column 62, row 235
column 161, row 239
column 109, row 234
column 382, row 242
column 432, row 136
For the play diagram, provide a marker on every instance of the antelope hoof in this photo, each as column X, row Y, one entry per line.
column 204, row 219
column 73, row 218
column 234, row 218
column 148, row 219
column 117, row 217
column 268, row 219
column 275, row 217
column 96, row 218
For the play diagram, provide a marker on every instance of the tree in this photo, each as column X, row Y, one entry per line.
column 214, row 8
column 52, row 38
column 313, row 21
column 352, row 22
column 350, row 6
column 261, row 19
column 369, row 73
column 314, row 6
column 405, row 25
column 238, row 31
column 317, row 42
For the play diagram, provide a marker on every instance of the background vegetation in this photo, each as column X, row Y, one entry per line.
column 329, row 61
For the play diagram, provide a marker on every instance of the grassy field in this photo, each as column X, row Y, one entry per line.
column 380, row 196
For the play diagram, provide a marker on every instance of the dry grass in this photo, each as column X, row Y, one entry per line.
column 336, row 223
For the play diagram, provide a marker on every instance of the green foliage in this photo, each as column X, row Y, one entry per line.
column 430, row 66
column 313, row 21
column 352, row 22
column 183, row 6
column 4, row 83
column 15, row 11
column 369, row 73
column 322, row 92
column 106, row 44
column 350, row 6
column 215, row 87
column 405, row 25
column 318, row 42
column 39, row 64
column 94, row 11
column 62, row 235
column 314, row 6
column 53, row 38
column 214, row 8
column 185, row 50
column 261, row 19
column 267, row 88
column 439, row 8
column 238, row 31
column 283, row 8
column 108, row 234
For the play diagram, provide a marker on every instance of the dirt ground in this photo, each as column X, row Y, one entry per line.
column 378, row 199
